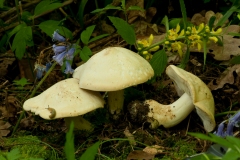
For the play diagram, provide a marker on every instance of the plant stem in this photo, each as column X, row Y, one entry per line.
column 17, row 9
column 32, row 94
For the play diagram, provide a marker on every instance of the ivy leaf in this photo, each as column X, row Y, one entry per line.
column 159, row 62
column 50, row 26
column 124, row 29
column 86, row 34
column 90, row 153
column 46, row 5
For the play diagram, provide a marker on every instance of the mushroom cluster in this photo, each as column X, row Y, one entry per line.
column 112, row 70
column 194, row 95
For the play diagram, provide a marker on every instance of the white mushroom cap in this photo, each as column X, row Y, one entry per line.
column 114, row 68
column 78, row 71
column 64, row 99
column 201, row 95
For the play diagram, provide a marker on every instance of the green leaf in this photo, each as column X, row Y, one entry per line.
column 98, row 37
column 2, row 158
column 135, row 8
column 231, row 154
column 81, row 11
column 20, row 41
column 16, row 29
column 235, row 141
column 123, row 5
column 173, row 22
column 211, row 22
column 227, row 15
column 69, row 144
column 159, row 62
column 85, row 53
column 86, row 34
column 185, row 58
column 13, row 154
column 22, row 82
column 124, row 29
column 50, row 26
column 234, row 34
column 1, row 3
column 46, row 5
column 165, row 22
column 235, row 60
column 184, row 13
column 106, row 8
column 205, row 156
column 90, row 153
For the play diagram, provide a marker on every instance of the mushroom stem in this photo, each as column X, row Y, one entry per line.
column 169, row 115
column 79, row 123
column 115, row 101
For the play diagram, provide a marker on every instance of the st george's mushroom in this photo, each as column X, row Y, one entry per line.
column 113, row 69
column 194, row 94
column 65, row 100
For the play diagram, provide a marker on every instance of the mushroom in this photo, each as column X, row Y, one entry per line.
column 194, row 94
column 112, row 70
column 65, row 100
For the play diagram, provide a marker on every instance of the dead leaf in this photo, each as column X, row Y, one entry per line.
column 4, row 128
column 155, row 149
column 225, row 78
column 134, row 14
column 140, row 155
column 129, row 136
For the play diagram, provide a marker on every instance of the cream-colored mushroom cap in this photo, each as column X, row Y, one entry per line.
column 78, row 72
column 202, row 98
column 115, row 68
column 64, row 99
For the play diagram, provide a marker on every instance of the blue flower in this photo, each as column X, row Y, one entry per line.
column 70, row 54
column 235, row 119
column 40, row 69
column 48, row 66
column 58, row 49
column 58, row 37
column 68, row 68
column 229, row 131
column 220, row 130
column 59, row 58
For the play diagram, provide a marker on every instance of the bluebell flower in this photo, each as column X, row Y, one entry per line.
column 48, row 66
column 58, row 37
column 235, row 119
column 70, row 54
column 59, row 58
column 68, row 68
column 220, row 131
column 229, row 131
column 40, row 69
column 58, row 49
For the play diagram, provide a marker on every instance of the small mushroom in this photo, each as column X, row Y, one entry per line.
column 194, row 94
column 112, row 70
column 65, row 100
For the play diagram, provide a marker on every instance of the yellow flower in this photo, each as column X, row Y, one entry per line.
column 218, row 32
column 214, row 39
column 147, row 43
column 154, row 49
column 177, row 46
column 173, row 33
column 198, row 43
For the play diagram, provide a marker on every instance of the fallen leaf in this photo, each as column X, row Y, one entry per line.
column 225, row 78
column 129, row 136
column 140, row 155
column 4, row 128
column 155, row 149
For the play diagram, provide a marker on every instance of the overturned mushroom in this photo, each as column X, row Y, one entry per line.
column 112, row 70
column 193, row 92
column 65, row 100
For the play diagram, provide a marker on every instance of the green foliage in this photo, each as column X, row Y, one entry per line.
column 81, row 11
column 110, row 6
column 159, row 62
column 23, row 38
column 86, row 52
column 235, row 60
column 1, row 3
column 50, row 26
column 69, row 144
column 90, row 153
column 27, row 148
column 124, row 29
column 232, row 143
column 184, row 13
column 21, row 83
column 46, row 5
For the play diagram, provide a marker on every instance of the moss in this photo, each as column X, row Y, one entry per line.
column 31, row 147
